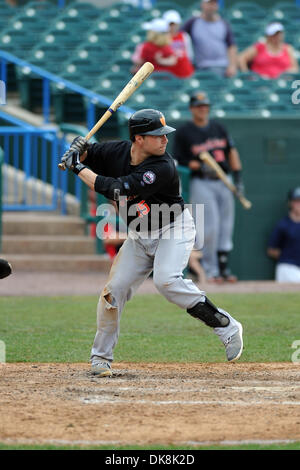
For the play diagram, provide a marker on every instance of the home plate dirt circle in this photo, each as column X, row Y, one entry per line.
column 142, row 404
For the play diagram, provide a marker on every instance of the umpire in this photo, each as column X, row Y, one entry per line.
column 196, row 136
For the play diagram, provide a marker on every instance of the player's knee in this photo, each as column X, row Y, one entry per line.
column 164, row 281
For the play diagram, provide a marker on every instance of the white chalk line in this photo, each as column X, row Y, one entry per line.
column 116, row 401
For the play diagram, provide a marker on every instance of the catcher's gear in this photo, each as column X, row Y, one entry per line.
column 208, row 313
column 5, row 268
column 72, row 161
column 148, row 122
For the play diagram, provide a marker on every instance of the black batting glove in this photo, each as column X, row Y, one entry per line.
column 71, row 160
column 79, row 144
column 238, row 182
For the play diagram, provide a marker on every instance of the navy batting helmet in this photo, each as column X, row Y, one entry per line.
column 148, row 122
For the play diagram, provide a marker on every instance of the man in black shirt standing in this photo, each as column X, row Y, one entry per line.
column 196, row 136
column 142, row 178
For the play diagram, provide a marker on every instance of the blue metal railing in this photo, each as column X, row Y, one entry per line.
column 92, row 98
column 30, row 158
column 31, row 179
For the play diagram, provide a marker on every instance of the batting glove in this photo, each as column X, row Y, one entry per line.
column 79, row 144
column 237, row 178
column 71, row 160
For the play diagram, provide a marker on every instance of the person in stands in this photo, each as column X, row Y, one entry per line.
column 158, row 50
column 270, row 58
column 213, row 41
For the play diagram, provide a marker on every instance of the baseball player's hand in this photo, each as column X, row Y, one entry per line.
column 194, row 165
column 240, row 189
column 79, row 144
column 71, row 160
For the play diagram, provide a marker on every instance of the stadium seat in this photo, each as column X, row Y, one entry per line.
column 285, row 11
column 279, row 109
column 177, row 113
column 49, row 57
column 229, row 109
column 243, row 97
column 246, row 10
column 206, row 81
column 86, row 11
column 38, row 9
column 109, row 83
column 7, row 13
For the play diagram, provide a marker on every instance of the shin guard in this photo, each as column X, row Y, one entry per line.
column 208, row 313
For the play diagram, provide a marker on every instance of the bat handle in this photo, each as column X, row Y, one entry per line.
column 245, row 203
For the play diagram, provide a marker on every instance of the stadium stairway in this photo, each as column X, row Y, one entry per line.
column 49, row 242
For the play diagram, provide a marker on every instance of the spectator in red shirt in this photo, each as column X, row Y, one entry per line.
column 181, row 41
column 270, row 58
column 157, row 50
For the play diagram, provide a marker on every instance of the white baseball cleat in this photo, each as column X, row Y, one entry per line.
column 234, row 344
column 101, row 368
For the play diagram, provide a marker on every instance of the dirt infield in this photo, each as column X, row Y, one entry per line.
column 56, row 284
column 150, row 403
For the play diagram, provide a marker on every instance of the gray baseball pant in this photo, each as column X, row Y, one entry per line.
column 218, row 220
column 167, row 256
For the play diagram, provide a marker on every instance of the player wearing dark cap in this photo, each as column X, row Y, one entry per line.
column 196, row 136
column 141, row 177
column 284, row 242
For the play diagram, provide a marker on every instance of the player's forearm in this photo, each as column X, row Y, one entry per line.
column 88, row 177
column 234, row 160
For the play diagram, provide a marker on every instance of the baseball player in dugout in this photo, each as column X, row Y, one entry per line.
column 142, row 178
column 196, row 136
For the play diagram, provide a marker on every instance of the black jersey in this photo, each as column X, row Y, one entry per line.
column 144, row 189
column 190, row 140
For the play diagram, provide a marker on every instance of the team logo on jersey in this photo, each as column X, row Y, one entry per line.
column 149, row 177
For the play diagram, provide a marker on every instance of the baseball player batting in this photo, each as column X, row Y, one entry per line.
column 143, row 175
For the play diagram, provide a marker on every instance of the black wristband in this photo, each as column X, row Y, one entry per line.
column 237, row 176
column 78, row 168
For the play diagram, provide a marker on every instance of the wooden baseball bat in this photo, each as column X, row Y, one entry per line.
column 133, row 84
column 207, row 158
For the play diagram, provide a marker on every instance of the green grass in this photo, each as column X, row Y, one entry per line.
column 62, row 329
column 291, row 446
